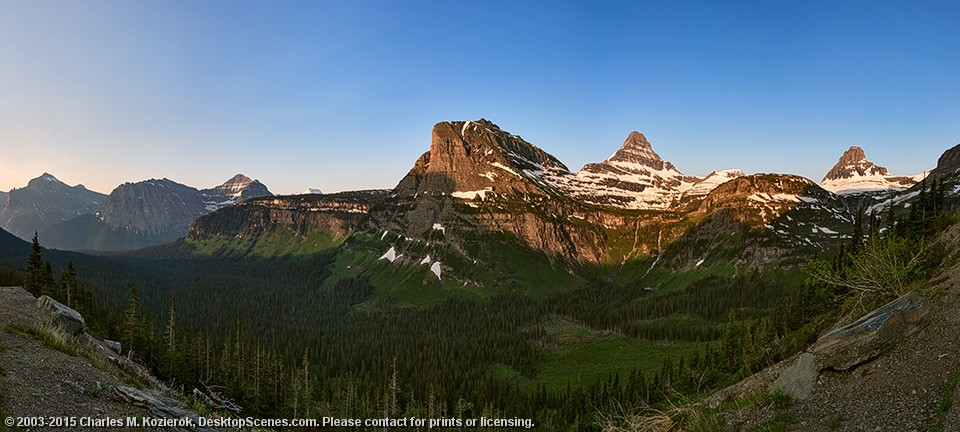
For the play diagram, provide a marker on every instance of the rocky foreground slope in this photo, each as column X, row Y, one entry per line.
column 897, row 372
column 51, row 368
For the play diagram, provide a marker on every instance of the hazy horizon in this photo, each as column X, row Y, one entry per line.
column 342, row 96
column 266, row 182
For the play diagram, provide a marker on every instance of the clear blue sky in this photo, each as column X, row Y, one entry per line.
column 342, row 95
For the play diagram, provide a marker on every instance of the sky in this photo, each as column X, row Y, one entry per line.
column 342, row 95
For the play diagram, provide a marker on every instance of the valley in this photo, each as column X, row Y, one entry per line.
column 490, row 281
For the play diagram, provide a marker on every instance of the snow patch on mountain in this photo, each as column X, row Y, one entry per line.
column 469, row 195
column 390, row 255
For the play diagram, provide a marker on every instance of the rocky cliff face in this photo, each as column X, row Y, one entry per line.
column 470, row 159
column 152, row 206
column 948, row 165
column 853, row 173
column 43, row 202
column 338, row 214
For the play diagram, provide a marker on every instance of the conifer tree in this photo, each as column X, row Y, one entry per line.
column 47, row 282
column 68, row 284
column 133, row 321
column 33, row 282
column 170, row 335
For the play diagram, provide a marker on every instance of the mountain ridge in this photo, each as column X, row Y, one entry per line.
column 147, row 213
column 44, row 201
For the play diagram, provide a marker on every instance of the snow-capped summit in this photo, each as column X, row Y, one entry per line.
column 311, row 191
column 238, row 188
column 633, row 177
column 853, row 173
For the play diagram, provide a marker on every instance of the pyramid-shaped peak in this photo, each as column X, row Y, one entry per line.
column 636, row 149
column 636, row 140
column 239, row 179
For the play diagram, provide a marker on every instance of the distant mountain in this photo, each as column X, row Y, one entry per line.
column 634, row 177
column 238, row 188
column 485, row 208
column 478, row 183
column 311, row 191
column 853, row 174
column 147, row 213
column 45, row 201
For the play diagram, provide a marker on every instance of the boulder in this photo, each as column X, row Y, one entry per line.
column 113, row 345
column 68, row 319
column 799, row 379
column 872, row 334
column 161, row 406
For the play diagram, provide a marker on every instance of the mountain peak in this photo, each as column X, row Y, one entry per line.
column 854, row 173
column 237, row 188
column 854, row 163
column 636, row 140
column 853, row 154
column 238, row 179
column 636, row 155
column 46, row 180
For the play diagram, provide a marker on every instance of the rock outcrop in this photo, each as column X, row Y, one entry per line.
column 867, row 337
column 68, row 319
column 799, row 379
column 161, row 406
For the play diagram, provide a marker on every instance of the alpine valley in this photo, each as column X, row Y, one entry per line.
column 494, row 281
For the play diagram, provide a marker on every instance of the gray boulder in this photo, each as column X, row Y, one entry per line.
column 869, row 336
column 799, row 379
column 113, row 345
column 68, row 319
column 161, row 406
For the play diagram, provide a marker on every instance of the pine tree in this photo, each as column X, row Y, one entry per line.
column 47, row 282
column 133, row 321
column 33, row 282
column 68, row 284
column 170, row 335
